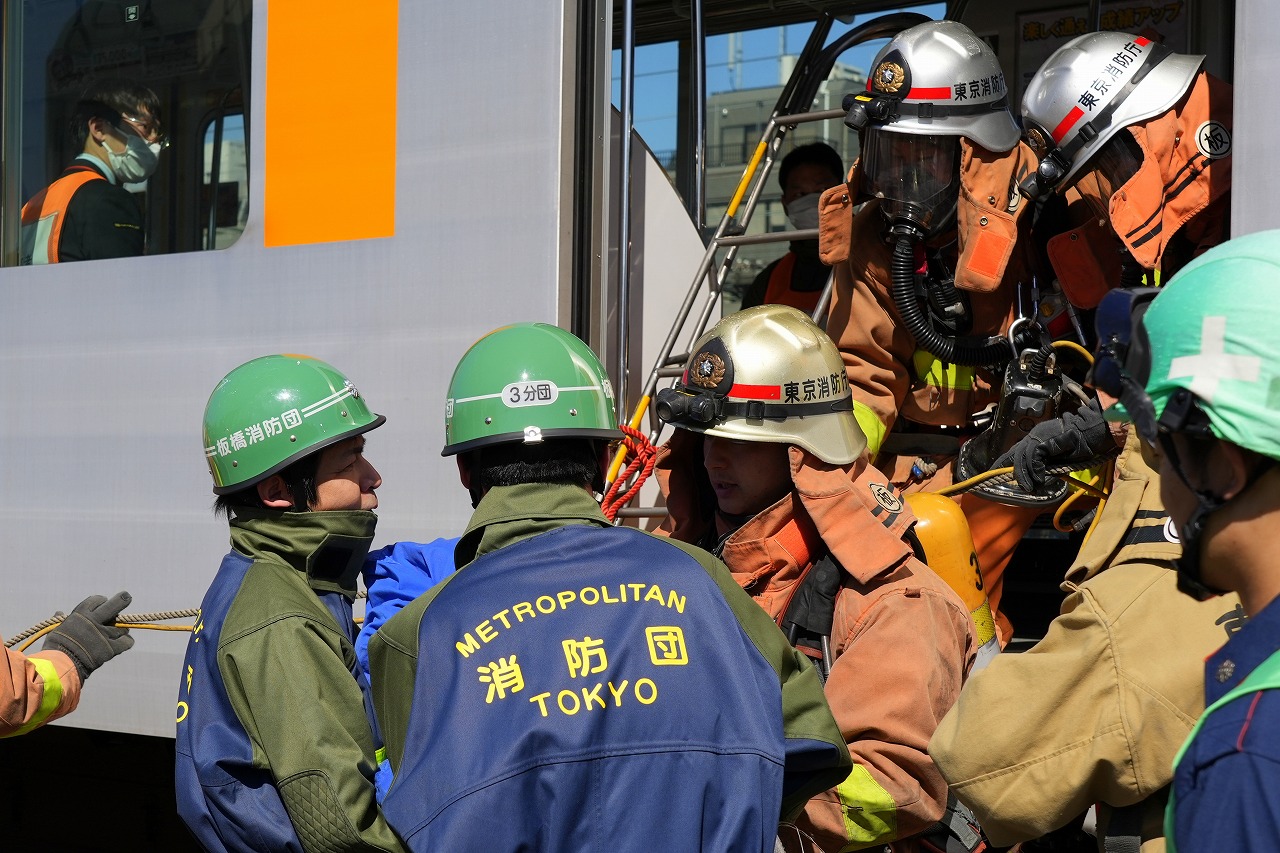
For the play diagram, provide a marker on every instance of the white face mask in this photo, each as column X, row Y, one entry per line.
column 137, row 162
column 803, row 212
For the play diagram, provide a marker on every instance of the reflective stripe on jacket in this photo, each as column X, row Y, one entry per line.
column 35, row 690
column 45, row 214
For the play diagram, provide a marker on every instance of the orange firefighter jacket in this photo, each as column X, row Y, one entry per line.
column 1186, row 172
column 1096, row 711
column 35, row 690
column 903, row 641
column 891, row 378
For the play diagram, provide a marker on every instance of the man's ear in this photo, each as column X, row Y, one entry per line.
column 606, row 459
column 464, row 470
column 1236, row 467
column 274, row 493
column 98, row 129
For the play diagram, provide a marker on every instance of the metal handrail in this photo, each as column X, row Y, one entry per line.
column 812, row 67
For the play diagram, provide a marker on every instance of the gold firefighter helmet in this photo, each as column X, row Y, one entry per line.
column 767, row 374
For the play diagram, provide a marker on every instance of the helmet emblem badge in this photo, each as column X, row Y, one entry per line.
column 1037, row 140
column 708, row 370
column 889, row 77
column 355, row 392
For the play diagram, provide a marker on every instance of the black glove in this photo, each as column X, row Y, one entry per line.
column 1077, row 438
column 89, row 635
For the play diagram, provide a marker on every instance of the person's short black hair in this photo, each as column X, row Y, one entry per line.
column 299, row 479
column 566, row 461
column 109, row 100
column 812, row 154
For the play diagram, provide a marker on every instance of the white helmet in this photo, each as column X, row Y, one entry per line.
column 937, row 79
column 768, row 374
column 1091, row 87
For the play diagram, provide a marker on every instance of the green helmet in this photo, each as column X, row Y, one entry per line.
column 527, row 382
column 274, row 410
column 1212, row 331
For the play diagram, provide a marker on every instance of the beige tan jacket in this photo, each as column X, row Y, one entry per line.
column 902, row 639
column 1095, row 712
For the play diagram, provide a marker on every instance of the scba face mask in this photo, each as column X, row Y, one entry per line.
column 137, row 162
column 917, row 177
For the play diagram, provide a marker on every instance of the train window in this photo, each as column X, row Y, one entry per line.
column 194, row 56
column 225, row 197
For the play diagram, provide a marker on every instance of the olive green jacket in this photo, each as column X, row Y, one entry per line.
column 283, row 710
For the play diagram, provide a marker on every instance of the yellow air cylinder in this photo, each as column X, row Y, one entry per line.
column 948, row 548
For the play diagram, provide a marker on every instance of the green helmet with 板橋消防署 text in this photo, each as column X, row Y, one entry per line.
column 274, row 410
column 526, row 383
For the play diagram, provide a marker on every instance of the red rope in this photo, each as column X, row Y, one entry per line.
column 643, row 455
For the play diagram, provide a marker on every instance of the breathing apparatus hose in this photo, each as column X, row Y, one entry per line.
column 902, row 271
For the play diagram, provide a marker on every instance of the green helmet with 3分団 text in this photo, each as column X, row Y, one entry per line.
column 274, row 410
column 525, row 383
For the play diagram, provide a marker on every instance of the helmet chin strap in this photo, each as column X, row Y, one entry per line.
column 1190, row 579
column 1191, row 533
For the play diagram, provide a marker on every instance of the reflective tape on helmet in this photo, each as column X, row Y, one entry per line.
column 933, row 371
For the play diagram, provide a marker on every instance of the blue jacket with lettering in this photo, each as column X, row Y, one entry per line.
column 580, row 686
column 275, row 748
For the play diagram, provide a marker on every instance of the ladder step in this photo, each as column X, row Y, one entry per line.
column 642, row 512
column 770, row 237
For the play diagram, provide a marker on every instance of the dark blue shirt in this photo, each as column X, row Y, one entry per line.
column 1227, row 786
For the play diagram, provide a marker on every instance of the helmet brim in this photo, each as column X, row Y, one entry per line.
column 377, row 421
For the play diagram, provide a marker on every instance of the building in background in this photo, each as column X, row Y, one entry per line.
column 735, row 121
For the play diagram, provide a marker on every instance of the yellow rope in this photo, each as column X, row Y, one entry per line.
column 1076, row 348
column 37, row 635
column 1088, row 488
column 1073, row 497
column 1005, row 474
column 1109, row 475
column 124, row 620
column 966, row 485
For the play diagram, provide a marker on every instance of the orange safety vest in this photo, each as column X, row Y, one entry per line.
column 44, row 214
column 779, row 291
